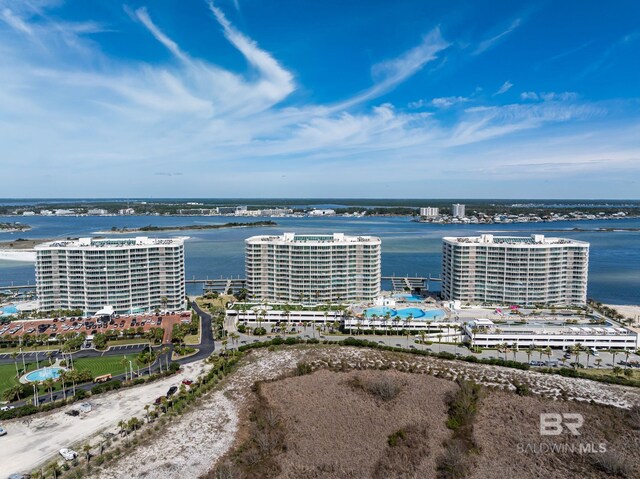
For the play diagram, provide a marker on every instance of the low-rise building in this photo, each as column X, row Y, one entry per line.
column 485, row 333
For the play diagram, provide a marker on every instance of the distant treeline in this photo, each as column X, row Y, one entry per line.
column 341, row 205
column 151, row 228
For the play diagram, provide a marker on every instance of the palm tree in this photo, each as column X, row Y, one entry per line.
column 613, row 353
column 577, row 350
column 598, row 362
column 87, row 451
column 146, row 411
column 514, row 348
column 134, row 423
column 439, row 341
column 548, row 353
column 13, row 393
column 165, row 351
column 125, row 362
column 48, row 384
column 626, row 358
column 423, row 335
column 123, row 426
column 529, row 351
column 387, row 319
column 53, row 469
column 14, row 355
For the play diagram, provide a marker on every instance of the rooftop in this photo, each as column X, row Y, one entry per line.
column 533, row 240
column 109, row 243
column 313, row 238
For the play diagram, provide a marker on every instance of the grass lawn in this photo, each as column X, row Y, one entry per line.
column 105, row 364
column 121, row 342
column 191, row 339
column 97, row 366
column 7, row 376
column 26, row 349
column 220, row 301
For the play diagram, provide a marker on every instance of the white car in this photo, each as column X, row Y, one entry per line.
column 3, row 431
column 6, row 408
column 85, row 407
column 68, row 454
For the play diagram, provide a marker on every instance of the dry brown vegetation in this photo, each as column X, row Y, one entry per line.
column 507, row 431
column 359, row 417
column 315, row 424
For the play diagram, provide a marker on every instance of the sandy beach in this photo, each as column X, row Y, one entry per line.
column 26, row 256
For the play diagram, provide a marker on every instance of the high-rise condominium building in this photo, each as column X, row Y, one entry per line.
column 457, row 210
column 313, row 268
column 429, row 212
column 128, row 274
column 515, row 270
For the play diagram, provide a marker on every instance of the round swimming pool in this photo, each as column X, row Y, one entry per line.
column 43, row 374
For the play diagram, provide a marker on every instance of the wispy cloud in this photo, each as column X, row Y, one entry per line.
column 448, row 101
column 391, row 73
column 131, row 122
column 506, row 86
column 603, row 61
column 143, row 16
column 16, row 22
column 490, row 42
column 549, row 96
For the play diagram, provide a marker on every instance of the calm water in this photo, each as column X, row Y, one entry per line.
column 407, row 247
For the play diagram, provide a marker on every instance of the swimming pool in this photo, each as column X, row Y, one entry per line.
column 415, row 313
column 44, row 374
column 10, row 309
column 409, row 298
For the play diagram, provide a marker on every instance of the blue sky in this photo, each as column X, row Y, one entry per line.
column 286, row 98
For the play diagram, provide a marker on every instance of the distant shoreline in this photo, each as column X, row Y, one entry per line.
column 13, row 227
column 155, row 229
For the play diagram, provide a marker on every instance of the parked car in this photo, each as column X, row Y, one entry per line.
column 172, row 390
column 72, row 412
column 6, row 408
column 3, row 431
column 159, row 400
column 187, row 382
column 68, row 454
column 85, row 407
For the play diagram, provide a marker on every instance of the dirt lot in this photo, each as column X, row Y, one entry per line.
column 336, row 430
